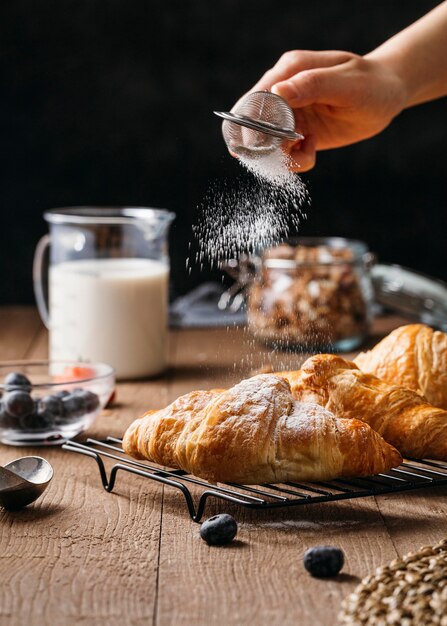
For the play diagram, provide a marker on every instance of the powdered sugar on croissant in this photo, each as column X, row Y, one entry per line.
column 401, row 416
column 255, row 433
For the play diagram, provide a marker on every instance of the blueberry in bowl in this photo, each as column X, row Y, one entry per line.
column 16, row 380
column 18, row 403
column 48, row 402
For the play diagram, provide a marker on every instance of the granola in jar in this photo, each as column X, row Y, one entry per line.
column 315, row 294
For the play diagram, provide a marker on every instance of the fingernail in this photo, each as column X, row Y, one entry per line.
column 285, row 89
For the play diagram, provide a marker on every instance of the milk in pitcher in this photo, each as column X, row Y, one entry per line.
column 110, row 310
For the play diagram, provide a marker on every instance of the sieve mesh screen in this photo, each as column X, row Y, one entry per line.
column 271, row 112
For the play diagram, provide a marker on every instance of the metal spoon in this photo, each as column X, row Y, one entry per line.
column 22, row 481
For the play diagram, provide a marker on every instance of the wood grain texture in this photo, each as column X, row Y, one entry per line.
column 259, row 580
column 82, row 556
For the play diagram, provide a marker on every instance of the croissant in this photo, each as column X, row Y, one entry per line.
column 255, row 433
column 403, row 418
column 414, row 356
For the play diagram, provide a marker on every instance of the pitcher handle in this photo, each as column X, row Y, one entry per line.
column 39, row 254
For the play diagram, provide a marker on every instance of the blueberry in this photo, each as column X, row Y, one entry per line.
column 74, row 405
column 91, row 400
column 51, row 405
column 323, row 561
column 19, row 404
column 16, row 380
column 36, row 421
column 6, row 421
column 61, row 394
column 219, row 530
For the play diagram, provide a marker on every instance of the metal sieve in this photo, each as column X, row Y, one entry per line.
column 258, row 123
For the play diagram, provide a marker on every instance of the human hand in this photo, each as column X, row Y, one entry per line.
column 338, row 98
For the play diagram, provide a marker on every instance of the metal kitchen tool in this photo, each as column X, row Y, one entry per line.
column 22, row 481
column 258, row 124
column 412, row 474
column 411, row 293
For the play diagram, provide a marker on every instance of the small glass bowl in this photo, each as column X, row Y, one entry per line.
column 79, row 391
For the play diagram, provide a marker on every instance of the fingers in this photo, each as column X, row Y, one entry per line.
column 323, row 85
column 290, row 63
column 303, row 155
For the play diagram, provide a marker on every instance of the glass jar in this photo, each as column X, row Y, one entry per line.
column 311, row 293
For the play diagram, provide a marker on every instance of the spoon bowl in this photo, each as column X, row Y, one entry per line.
column 22, row 481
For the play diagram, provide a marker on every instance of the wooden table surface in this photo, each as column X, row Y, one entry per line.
column 80, row 555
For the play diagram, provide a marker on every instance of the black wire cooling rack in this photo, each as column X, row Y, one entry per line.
column 412, row 474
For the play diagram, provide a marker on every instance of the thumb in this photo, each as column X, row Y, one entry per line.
column 309, row 87
column 303, row 156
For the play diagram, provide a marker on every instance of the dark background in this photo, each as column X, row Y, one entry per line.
column 109, row 102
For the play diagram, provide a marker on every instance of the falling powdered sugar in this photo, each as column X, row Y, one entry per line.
column 250, row 213
column 272, row 167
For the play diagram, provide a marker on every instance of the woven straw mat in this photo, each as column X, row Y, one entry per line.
column 411, row 591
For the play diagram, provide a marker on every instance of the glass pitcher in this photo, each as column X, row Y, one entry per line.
column 108, row 287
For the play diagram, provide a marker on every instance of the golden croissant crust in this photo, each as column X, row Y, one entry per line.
column 414, row 356
column 255, row 433
column 403, row 418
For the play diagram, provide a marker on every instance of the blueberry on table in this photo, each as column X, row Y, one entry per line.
column 323, row 561
column 15, row 380
column 19, row 404
column 219, row 530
